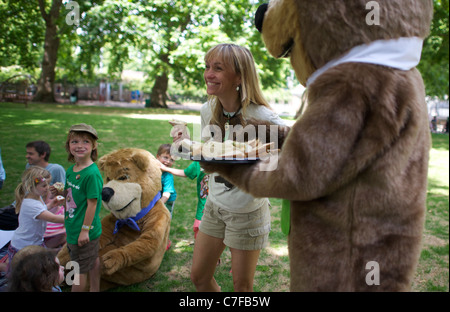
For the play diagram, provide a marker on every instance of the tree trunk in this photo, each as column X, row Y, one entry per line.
column 159, row 90
column 51, row 44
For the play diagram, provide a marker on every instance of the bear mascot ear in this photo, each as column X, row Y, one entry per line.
column 108, row 160
column 101, row 163
column 279, row 24
column 141, row 160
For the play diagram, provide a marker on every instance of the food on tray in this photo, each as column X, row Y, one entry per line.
column 190, row 147
column 225, row 150
column 59, row 186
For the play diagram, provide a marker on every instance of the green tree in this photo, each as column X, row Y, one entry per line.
column 158, row 30
column 21, row 34
column 434, row 65
column 173, row 26
column 237, row 22
column 171, row 38
column 30, row 36
column 166, row 39
column 51, row 45
column 57, row 26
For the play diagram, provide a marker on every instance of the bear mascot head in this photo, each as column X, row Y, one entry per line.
column 353, row 168
column 135, row 233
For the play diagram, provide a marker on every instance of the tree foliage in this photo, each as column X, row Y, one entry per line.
column 166, row 39
column 169, row 39
column 22, row 33
column 434, row 65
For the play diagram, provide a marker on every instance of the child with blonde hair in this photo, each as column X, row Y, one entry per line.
column 32, row 209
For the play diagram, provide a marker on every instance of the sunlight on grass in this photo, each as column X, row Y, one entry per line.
column 183, row 244
column 439, row 171
column 278, row 251
column 37, row 122
column 185, row 118
column 432, row 271
column 147, row 129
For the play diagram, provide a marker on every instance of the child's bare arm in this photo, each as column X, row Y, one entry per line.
column 176, row 172
column 165, row 197
column 88, row 218
column 50, row 217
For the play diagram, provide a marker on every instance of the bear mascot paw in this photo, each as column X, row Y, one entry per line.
column 135, row 234
column 353, row 167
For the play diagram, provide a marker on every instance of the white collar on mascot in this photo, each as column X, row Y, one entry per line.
column 402, row 53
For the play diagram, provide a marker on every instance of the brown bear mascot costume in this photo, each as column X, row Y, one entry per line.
column 354, row 165
column 135, row 233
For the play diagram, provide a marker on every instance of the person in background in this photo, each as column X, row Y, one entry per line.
column 38, row 154
column 2, row 171
column 168, row 192
column 194, row 171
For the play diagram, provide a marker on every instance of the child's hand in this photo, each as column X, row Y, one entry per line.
column 162, row 166
column 56, row 201
column 53, row 191
column 179, row 132
column 196, row 226
column 83, row 239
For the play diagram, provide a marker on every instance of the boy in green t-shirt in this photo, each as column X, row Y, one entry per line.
column 83, row 191
column 194, row 171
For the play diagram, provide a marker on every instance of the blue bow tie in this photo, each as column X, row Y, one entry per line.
column 131, row 222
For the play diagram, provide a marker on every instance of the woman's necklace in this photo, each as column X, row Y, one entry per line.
column 227, row 125
column 228, row 116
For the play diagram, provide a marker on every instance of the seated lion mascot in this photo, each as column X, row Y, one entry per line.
column 353, row 168
column 135, row 233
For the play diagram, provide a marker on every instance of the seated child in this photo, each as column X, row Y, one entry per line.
column 35, row 269
column 33, row 211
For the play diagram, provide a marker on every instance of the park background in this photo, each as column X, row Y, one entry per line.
column 109, row 50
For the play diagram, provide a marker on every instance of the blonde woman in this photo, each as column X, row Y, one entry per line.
column 231, row 217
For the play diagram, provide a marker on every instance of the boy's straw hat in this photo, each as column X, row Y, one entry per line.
column 84, row 128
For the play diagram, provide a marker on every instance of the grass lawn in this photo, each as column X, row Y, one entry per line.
column 121, row 127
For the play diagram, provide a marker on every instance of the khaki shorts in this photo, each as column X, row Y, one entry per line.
column 85, row 255
column 243, row 231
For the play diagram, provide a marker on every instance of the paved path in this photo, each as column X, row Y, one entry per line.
column 186, row 106
column 186, row 118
